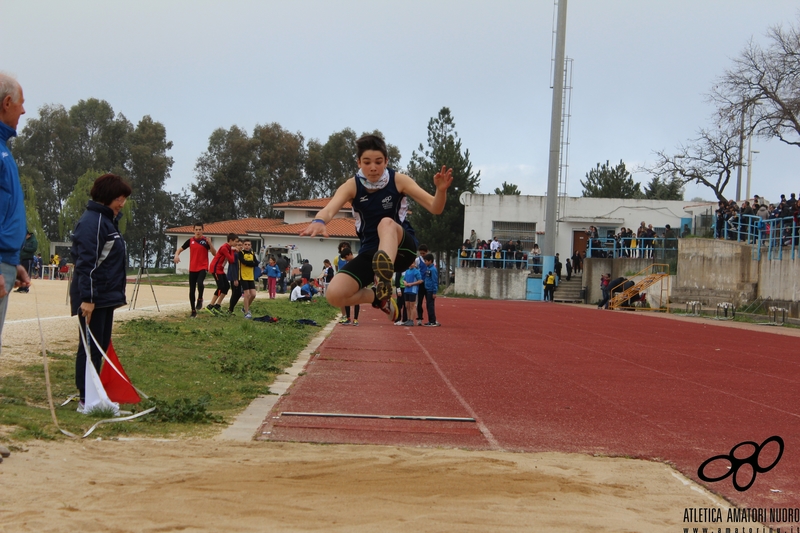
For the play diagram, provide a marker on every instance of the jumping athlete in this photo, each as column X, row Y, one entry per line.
column 378, row 195
column 199, row 247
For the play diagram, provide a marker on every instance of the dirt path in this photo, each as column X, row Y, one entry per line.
column 210, row 486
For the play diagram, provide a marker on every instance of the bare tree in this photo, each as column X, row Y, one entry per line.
column 769, row 77
column 710, row 160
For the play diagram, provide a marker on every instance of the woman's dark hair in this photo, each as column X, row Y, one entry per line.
column 108, row 188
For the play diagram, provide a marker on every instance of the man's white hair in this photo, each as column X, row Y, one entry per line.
column 9, row 86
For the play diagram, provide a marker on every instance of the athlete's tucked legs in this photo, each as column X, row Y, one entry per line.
column 390, row 234
column 343, row 291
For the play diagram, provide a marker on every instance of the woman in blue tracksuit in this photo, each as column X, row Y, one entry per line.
column 100, row 258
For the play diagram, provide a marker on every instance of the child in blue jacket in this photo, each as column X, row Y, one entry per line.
column 273, row 274
column 431, row 287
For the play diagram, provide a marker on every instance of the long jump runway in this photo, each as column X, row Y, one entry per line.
column 535, row 376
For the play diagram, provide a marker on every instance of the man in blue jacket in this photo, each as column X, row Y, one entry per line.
column 13, row 224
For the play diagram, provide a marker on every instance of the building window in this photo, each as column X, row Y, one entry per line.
column 525, row 232
column 311, row 214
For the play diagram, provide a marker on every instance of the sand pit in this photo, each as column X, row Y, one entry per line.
column 209, row 486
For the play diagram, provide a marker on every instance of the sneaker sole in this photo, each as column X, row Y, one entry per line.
column 383, row 267
column 391, row 310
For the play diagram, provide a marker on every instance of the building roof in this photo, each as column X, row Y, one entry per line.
column 338, row 227
column 240, row 227
column 316, row 203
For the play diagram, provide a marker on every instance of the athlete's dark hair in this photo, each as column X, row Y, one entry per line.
column 422, row 248
column 108, row 188
column 345, row 252
column 197, row 224
column 232, row 237
column 429, row 257
column 371, row 142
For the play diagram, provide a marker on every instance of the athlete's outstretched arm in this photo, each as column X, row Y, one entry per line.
column 435, row 204
column 345, row 193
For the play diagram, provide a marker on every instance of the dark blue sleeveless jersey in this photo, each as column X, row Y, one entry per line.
column 369, row 208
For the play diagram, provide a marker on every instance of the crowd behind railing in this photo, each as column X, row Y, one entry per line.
column 494, row 254
column 774, row 229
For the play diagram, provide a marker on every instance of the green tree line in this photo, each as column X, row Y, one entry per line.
column 241, row 174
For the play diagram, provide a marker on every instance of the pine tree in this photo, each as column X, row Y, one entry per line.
column 443, row 232
column 607, row 182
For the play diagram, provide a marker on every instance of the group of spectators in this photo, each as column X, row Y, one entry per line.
column 748, row 222
column 492, row 254
column 644, row 242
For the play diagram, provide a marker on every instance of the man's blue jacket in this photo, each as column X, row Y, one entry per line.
column 13, row 225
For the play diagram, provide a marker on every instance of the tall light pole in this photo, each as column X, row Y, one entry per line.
column 750, row 167
column 741, row 155
column 549, row 248
column 745, row 106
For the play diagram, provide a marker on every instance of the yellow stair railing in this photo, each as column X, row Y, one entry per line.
column 655, row 273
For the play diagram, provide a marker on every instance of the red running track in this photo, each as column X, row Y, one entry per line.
column 538, row 376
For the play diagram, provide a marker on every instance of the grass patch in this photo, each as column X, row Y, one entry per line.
column 198, row 372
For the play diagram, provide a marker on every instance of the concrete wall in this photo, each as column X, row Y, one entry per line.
column 710, row 271
column 779, row 280
column 715, row 271
column 495, row 283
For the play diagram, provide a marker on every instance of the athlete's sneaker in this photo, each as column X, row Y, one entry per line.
column 409, row 323
column 199, row 304
column 419, row 322
column 390, row 308
column 248, row 316
column 81, row 408
column 355, row 322
column 344, row 320
column 398, row 323
column 383, row 267
column 194, row 314
column 345, row 323
column 432, row 324
column 210, row 309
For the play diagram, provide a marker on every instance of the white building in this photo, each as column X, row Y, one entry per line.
column 523, row 217
column 281, row 232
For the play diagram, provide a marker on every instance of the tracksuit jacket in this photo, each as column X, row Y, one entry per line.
column 100, row 256
column 13, row 225
column 432, row 280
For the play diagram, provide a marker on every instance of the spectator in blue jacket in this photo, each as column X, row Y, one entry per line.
column 431, row 288
column 100, row 258
column 13, row 223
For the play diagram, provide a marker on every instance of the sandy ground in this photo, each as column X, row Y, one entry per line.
column 200, row 485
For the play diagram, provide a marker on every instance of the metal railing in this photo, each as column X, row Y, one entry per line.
column 650, row 248
column 779, row 238
column 480, row 258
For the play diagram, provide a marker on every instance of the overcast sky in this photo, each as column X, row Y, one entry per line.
column 641, row 70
